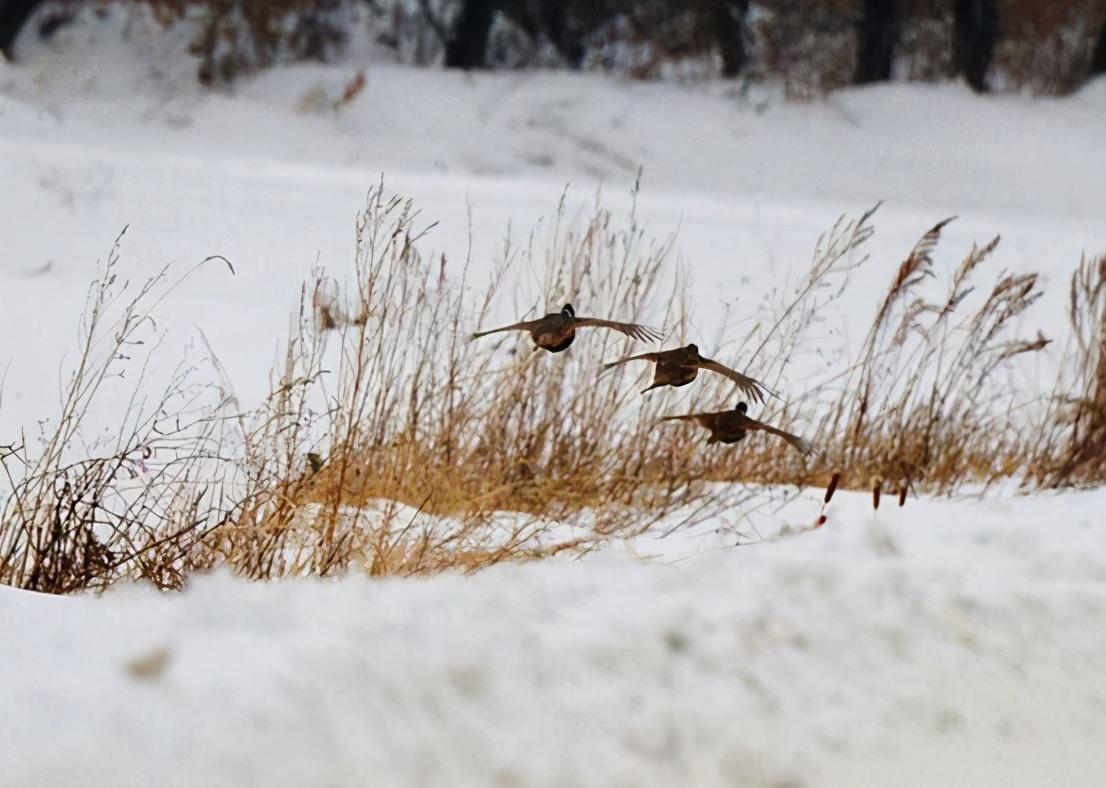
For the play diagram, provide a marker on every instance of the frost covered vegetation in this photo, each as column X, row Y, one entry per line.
column 1042, row 45
column 390, row 443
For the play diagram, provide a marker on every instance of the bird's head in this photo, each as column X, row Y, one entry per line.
column 568, row 311
column 693, row 348
column 742, row 408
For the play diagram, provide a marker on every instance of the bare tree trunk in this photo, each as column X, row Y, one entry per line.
column 729, row 29
column 876, row 37
column 468, row 44
column 566, row 43
column 1098, row 65
column 976, row 25
column 13, row 16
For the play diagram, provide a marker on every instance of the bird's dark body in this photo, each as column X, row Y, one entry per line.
column 673, row 373
column 556, row 331
column 563, row 345
column 725, row 427
column 731, row 426
column 726, row 436
column 680, row 366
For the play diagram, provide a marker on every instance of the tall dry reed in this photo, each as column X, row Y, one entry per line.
column 392, row 443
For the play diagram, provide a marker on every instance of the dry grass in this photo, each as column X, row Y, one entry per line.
column 923, row 406
column 414, row 412
column 1072, row 449
column 135, row 503
column 392, row 443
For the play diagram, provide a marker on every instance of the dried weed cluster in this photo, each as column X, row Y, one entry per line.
column 389, row 443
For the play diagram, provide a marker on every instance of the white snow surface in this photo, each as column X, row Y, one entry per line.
column 947, row 643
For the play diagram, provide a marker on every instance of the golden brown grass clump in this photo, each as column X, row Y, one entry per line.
column 1072, row 450
column 390, row 443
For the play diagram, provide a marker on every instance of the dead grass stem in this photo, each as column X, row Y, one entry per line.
column 391, row 443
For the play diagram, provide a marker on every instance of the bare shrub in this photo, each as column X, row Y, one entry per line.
column 648, row 40
column 1047, row 46
column 240, row 36
column 234, row 38
column 80, row 515
column 811, row 47
column 925, row 52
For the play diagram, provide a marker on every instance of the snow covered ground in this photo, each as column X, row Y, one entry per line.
column 947, row 643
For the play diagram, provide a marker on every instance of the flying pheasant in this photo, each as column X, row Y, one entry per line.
column 731, row 426
column 680, row 366
column 556, row 331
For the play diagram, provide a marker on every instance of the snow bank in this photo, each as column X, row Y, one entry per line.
column 954, row 643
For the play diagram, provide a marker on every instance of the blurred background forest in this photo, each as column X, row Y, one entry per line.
column 1042, row 46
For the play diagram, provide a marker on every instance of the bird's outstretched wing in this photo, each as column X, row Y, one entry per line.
column 684, row 417
column 710, row 421
column 634, row 330
column 753, row 389
column 640, row 357
column 802, row 445
column 525, row 325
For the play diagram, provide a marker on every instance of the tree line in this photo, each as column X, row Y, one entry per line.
column 1054, row 44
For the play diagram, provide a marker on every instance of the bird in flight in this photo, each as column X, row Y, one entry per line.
column 557, row 330
column 731, row 426
column 680, row 366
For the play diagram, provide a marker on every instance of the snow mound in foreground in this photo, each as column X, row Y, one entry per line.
column 941, row 644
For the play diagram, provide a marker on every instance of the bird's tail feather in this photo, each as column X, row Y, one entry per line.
column 802, row 445
column 686, row 417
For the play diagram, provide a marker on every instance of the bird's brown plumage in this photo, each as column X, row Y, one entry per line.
column 556, row 331
column 680, row 366
column 731, row 426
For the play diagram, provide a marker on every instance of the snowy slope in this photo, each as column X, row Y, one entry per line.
column 955, row 644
